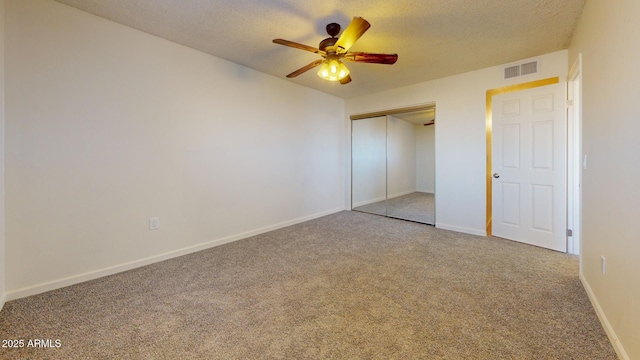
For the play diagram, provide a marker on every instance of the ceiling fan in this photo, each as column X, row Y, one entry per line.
column 335, row 49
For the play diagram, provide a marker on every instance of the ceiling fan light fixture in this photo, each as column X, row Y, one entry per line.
column 333, row 70
column 333, row 49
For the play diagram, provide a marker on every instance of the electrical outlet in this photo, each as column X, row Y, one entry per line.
column 154, row 223
column 603, row 262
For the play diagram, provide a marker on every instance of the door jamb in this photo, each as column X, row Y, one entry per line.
column 574, row 163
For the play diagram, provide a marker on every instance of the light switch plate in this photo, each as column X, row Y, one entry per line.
column 154, row 223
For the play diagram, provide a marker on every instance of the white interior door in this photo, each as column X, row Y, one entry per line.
column 529, row 167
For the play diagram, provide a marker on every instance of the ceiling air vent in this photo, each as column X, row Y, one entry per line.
column 522, row 69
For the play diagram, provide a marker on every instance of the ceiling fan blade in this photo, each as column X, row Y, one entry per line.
column 351, row 34
column 305, row 68
column 387, row 59
column 299, row 46
column 345, row 80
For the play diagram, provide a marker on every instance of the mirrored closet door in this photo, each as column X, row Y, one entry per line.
column 369, row 165
column 393, row 165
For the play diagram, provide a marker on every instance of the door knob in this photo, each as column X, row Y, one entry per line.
column 496, row 175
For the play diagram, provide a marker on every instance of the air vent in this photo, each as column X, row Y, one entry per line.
column 528, row 68
column 512, row 71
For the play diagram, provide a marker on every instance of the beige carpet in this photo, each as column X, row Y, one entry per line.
column 346, row 286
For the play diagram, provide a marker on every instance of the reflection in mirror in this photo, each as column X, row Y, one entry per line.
column 393, row 165
column 410, row 171
column 368, row 164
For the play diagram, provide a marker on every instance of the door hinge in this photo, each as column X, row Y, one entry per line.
column 569, row 103
column 569, row 232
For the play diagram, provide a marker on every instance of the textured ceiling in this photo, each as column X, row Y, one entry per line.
column 433, row 38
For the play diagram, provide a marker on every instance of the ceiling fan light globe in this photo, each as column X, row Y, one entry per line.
column 343, row 71
column 333, row 66
column 333, row 70
column 324, row 71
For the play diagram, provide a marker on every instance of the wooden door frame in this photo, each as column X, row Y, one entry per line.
column 489, row 131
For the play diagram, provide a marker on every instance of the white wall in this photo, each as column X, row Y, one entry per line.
column 401, row 157
column 607, row 36
column 107, row 126
column 425, row 158
column 460, row 144
column 2, row 212
column 369, row 154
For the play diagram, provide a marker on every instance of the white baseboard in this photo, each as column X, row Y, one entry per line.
column 613, row 338
column 391, row 196
column 367, row 202
column 428, row 191
column 75, row 279
column 461, row 229
column 3, row 300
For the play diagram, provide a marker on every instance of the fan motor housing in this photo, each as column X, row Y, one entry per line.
column 324, row 44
